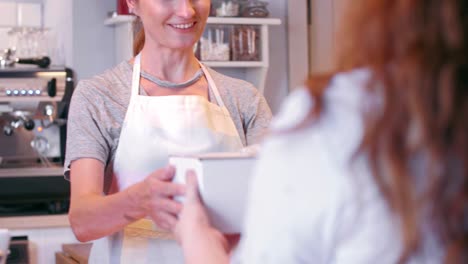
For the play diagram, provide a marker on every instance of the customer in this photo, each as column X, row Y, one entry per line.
column 371, row 169
column 122, row 129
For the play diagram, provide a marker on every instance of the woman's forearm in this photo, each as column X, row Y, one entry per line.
column 94, row 216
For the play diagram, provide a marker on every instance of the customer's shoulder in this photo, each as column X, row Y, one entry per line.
column 328, row 139
column 293, row 110
column 356, row 77
column 342, row 99
column 349, row 87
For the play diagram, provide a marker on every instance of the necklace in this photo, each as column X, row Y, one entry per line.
column 167, row 84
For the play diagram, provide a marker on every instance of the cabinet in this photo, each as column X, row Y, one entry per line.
column 254, row 71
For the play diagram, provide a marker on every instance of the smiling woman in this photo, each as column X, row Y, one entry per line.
column 116, row 160
column 172, row 24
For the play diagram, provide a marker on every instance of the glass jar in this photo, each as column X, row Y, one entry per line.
column 245, row 43
column 254, row 8
column 214, row 44
column 227, row 8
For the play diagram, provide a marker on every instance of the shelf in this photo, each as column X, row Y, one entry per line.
column 119, row 19
column 234, row 64
column 244, row 21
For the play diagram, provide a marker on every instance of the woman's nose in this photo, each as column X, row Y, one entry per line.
column 185, row 9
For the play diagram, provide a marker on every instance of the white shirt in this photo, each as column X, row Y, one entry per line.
column 309, row 203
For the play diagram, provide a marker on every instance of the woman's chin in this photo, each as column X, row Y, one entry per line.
column 183, row 45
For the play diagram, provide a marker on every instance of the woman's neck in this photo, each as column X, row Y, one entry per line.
column 168, row 64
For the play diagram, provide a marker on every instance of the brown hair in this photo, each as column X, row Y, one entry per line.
column 417, row 50
column 139, row 36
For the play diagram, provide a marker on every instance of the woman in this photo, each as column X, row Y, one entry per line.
column 122, row 128
column 376, row 164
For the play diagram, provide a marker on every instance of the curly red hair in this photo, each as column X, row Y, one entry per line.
column 417, row 51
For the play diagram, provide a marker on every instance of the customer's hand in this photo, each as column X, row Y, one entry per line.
column 200, row 242
column 157, row 192
column 193, row 219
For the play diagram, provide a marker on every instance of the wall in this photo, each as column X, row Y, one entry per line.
column 58, row 16
column 93, row 47
column 298, row 42
column 277, row 85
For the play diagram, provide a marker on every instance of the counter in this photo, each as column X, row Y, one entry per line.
column 45, row 235
column 33, row 222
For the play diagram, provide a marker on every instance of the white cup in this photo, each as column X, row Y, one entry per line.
column 4, row 245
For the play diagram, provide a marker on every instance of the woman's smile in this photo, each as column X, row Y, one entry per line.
column 183, row 27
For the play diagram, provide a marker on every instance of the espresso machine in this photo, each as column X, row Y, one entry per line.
column 34, row 101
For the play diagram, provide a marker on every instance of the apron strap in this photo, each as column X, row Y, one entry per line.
column 212, row 85
column 218, row 98
column 136, row 75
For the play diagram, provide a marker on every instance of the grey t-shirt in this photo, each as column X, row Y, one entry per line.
column 99, row 104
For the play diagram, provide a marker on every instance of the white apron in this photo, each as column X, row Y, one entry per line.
column 154, row 128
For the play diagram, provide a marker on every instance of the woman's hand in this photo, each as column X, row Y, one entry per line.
column 155, row 196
